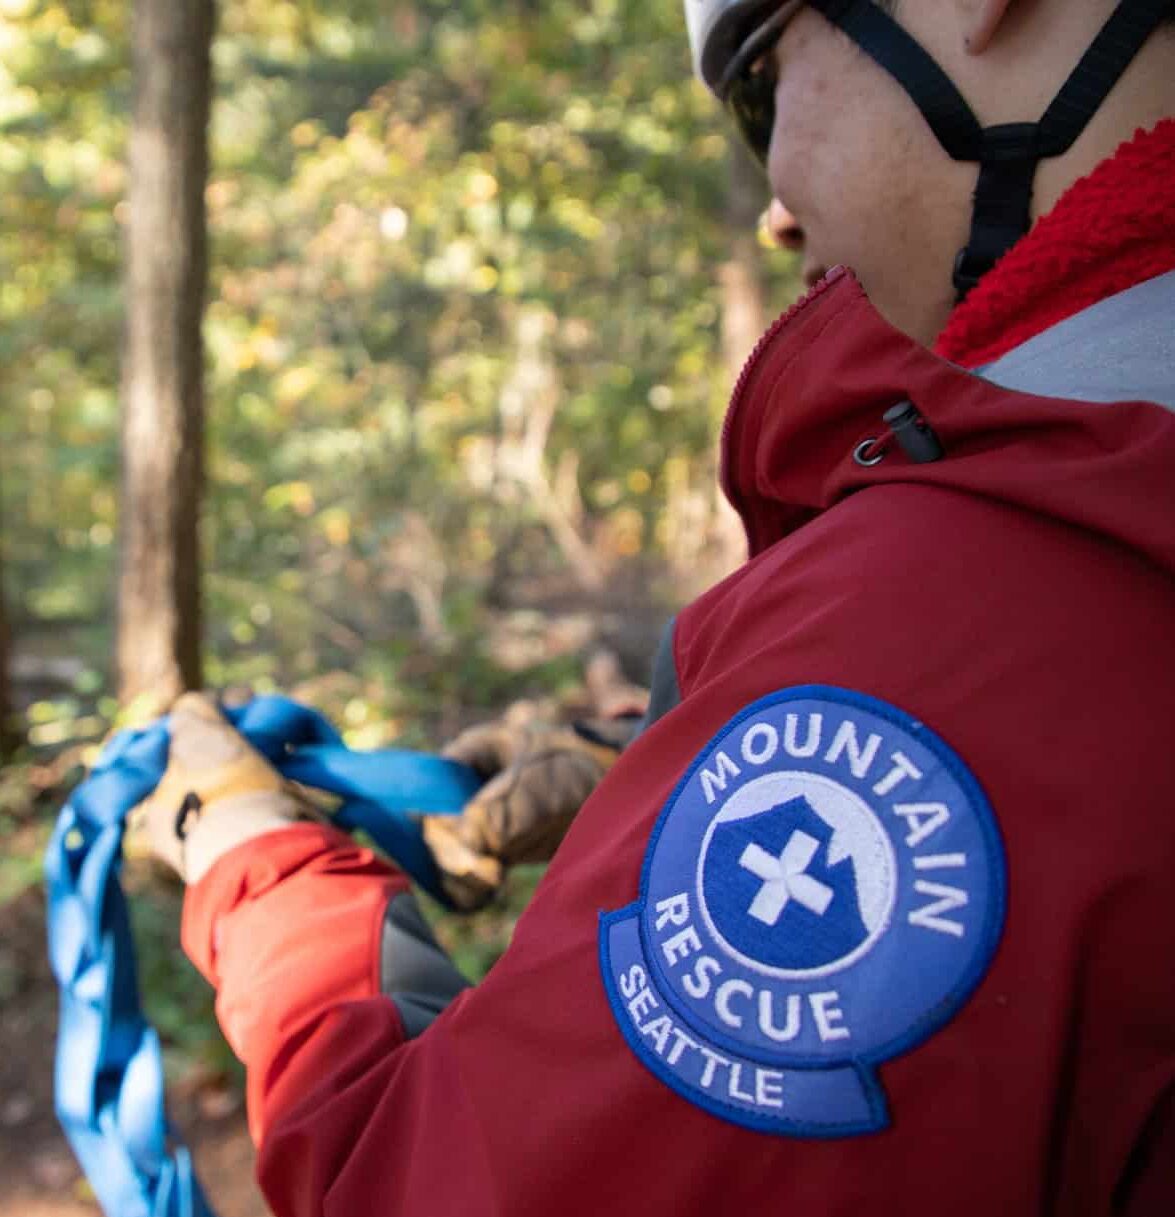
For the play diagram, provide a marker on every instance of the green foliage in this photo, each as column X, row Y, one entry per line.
column 463, row 268
column 429, row 221
column 64, row 85
column 401, row 279
column 176, row 999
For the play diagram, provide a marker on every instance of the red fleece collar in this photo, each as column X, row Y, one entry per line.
column 1110, row 230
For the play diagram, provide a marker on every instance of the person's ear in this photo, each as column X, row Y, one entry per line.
column 981, row 21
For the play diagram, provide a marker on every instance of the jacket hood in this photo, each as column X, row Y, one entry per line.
column 816, row 387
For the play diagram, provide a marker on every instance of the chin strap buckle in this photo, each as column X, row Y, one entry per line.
column 1009, row 156
column 1009, row 153
column 968, row 270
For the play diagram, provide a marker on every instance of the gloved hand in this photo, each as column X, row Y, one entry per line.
column 216, row 792
column 538, row 777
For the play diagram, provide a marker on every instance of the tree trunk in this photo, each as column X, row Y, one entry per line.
column 163, row 368
column 527, row 407
column 743, row 309
column 741, row 274
column 8, row 733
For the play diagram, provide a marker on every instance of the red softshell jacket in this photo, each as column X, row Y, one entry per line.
column 1015, row 596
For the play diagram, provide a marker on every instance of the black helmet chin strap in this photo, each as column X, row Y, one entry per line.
column 1008, row 154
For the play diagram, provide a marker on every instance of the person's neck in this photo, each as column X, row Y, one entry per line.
column 1111, row 230
column 1143, row 97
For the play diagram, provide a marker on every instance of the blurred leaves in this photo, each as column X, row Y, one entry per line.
column 464, row 326
column 430, row 220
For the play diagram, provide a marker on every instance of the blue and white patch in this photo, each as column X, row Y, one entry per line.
column 822, row 892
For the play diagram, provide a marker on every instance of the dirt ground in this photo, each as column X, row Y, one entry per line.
column 38, row 1174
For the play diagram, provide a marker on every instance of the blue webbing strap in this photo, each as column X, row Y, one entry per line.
column 109, row 1067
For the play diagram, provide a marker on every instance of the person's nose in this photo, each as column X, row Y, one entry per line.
column 782, row 227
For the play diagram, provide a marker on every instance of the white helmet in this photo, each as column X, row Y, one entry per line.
column 717, row 28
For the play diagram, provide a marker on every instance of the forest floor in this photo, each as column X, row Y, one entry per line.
column 38, row 1174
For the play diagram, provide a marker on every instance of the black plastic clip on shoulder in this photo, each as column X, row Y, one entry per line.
column 913, row 433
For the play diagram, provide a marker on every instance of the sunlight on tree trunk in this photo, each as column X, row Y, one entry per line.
column 741, row 274
column 414, row 563
column 527, row 407
column 162, row 381
column 743, row 311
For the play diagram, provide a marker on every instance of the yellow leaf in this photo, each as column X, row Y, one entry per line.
column 481, row 188
column 336, row 524
column 295, row 383
column 483, row 279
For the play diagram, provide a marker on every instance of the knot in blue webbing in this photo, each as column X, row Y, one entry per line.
column 109, row 1067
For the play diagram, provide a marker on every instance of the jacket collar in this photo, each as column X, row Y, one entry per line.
column 816, row 387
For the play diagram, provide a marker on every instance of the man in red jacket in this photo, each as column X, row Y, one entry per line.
column 874, row 915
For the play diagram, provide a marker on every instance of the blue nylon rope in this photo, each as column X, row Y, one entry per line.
column 109, row 1067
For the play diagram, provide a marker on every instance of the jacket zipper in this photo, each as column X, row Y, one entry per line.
column 814, row 293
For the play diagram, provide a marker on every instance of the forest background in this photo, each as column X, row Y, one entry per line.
column 481, row 275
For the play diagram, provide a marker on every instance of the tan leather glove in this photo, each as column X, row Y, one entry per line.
column 216, row 792
column 539, row 776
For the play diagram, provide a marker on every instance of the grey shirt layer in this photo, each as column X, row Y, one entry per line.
column 415, row 972
column 1120, row 349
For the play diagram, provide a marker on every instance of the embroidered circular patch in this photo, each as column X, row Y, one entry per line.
column 822, row 891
